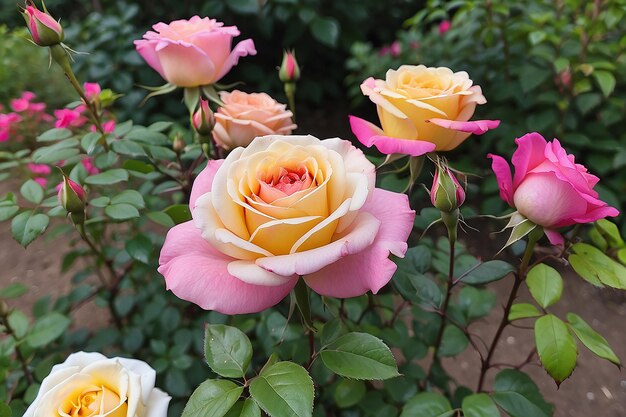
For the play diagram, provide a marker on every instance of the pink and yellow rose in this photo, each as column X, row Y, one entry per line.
column 194, row 52
column 245, row 116
column 283, row 209
column 421, row 110
column 549, row 188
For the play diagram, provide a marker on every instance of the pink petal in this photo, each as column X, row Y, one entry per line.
column 501, row 168
column 370, row 270
column 196, row 272
column 204, row 180
column 476, row 127
column 243, row 48
column 554, row 237
column 173, row 57
column 147, row 51
column 528, row 155
column 597, row 214
column 369, row 134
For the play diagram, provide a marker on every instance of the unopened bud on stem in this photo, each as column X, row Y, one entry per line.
column 43, row 28
column 203, row 120
column 72, row 196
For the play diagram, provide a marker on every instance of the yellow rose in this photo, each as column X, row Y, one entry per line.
column 91, row 385
column 421, row 109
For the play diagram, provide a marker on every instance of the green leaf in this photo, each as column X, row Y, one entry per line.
column 523, row 311
column 102, row 201
column 90, row 141
column 13, row 290
column 19, row 323
column 54, row 134
column 610, row 232
column 131, row 197
column 140, row 248
column 121, row 211
column 331, row 331
column 161, row 218
column 112, row 176
column 179, row 213
column 244, row 6
column 479, row 405
column 212, row 399
column 47, row 329
column 326, row 30
column 245, row 408
column 7, row 211
column 160, row 126
column 138, row 166
column 488, row 272
column 65, row 149
column 360, row 356
column 27, row 226
column 591, row 339
column 284, row 389
column 349, row 392
column 532, row 76
column 5, row 410
column 32, row 191
column 596, row 267
column 129, row 148
column 453, row 341
column 556, row 347
column 545, row 284
column 476, row 303
column 228, row 350
column 427, row 404
column 518, row 395
column 606, row 81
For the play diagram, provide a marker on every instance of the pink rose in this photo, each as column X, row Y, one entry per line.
column 444, row 26
column 285, row 207
column 92, row 90
column 245, row 116
column 69, row 118
column 43, row 28
column 549, row 188
column 39, row 169
column 194, row 52
column 89, row 166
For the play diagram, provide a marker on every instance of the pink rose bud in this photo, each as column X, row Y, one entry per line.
column 446, row 193
column 92, row 90
column 43, row 28
column 289, row 71
column 395, row 49
column 72, row 196
column 444, row 26
column 203, row 119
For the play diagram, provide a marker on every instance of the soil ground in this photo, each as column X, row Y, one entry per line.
column 597, row 388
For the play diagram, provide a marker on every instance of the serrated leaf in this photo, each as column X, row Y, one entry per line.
column 518, row 395
column 213, row 398
column 488, row 272
column 610, row 231
column 349, row 392
column 596, row 267
column 523, row 311
column 228, row 350
column 360, row 356
column 284, row 389
column 47, row 329
column 556, row 347
column 591, row 339
column 453, row 341
column 27, row 226
column 427, row 404
column 516, row 405
column 245, row 408
column 545, row 284
column 32, row 192
column 479, row 405
column 112, row 176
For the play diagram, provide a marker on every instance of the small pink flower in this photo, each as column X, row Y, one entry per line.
column 194, row 52
column 395, row 49
column 89, row 166
column 549, row 188
column 41, row 181
column 92, row 90
column 69, row 118
column 39, row 169
column 444, row 26
column 108, row 127
column 20, row 104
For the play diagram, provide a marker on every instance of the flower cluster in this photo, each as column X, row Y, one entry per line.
column 25, row 120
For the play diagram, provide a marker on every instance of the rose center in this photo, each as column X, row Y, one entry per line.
column 96, row 402
column 284, row 182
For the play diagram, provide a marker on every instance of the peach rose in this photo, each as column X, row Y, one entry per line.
column 245, row 116
column 282, row 209
column 91, row 385
column 194, row 52
column 421, row 109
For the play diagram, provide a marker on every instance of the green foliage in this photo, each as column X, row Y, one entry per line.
column 556, row 347
column 545, row 284
column 283, row 389
column 228, row 350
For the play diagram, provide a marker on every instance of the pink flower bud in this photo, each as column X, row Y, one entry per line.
column 72, row 196
column 43, row 28
column 203, row 119
column 395, row 49
column 92, row 90
column 446, row 193
column 444, row 26
column 289, row 71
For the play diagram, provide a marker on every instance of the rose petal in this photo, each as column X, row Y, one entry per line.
column 554, row 237
column 202, row 183
column 172, row 55
column 476, row 127
column 501, row 168
column 243, row 48
column 528, row 155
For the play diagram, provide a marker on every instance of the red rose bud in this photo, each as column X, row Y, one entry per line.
column 203, row 119
column 289, row 71
column 72, row 196
column 43, row 28
column 446, row 194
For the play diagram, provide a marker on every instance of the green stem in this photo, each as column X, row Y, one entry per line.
column 520, row 276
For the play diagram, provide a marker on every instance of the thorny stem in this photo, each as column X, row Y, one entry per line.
column 18, row 352
column 520, row 276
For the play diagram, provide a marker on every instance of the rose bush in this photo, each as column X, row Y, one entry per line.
column 88, row 384
column 549, row 188
column 281, row 208
column 245, row 116
column 421, row 109
column 194, row 52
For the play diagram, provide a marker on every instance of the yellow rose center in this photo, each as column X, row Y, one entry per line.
column 283, row 182
column 94, row 401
